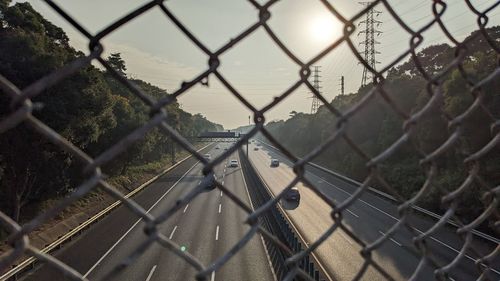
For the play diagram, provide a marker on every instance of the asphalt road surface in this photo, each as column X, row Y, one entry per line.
column 207, row 228
column 368, row 218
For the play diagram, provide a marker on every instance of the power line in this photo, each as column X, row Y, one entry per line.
column 452, row 18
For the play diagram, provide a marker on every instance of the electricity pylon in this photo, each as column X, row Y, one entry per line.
column 370, row 31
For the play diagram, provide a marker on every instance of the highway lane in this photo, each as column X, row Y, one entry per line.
column 338, row 253
column 205, row 232
column 367, row 218
column 94, row 242
column 445, row 241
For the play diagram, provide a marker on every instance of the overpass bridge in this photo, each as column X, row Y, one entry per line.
column 226, row 136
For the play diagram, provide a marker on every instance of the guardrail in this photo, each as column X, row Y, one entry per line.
column 31, row 261
column 391, row 198
column 280, row 225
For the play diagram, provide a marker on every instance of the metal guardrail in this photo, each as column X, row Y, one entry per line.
column 394, row 200
column 22, row 107
column 277, row 222
column 30, row 262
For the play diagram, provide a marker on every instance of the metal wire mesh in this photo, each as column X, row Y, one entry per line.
column 22, row 109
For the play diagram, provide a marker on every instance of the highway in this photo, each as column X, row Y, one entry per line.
column 368, row 218
column 207, row 228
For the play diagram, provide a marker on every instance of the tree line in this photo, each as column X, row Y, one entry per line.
column 90, row 108
column 376, row 126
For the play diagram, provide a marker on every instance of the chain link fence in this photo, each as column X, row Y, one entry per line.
column 22, row 108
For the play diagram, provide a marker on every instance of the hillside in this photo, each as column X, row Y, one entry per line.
column 90, row 108
column 376, row 126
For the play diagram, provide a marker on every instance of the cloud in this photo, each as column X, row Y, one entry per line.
column 157, row 70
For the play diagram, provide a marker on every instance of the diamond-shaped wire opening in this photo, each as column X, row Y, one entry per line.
column 333, row 241
column 160, row 62
column 260, row 80
column 199, row 18
column 167, row 227
column 306, row 29
column 365, row 43
column 80, row 11
column 456, row 121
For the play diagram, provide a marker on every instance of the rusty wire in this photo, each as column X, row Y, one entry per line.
column 22, row 108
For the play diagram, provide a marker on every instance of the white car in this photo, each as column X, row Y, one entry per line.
column 233, row 163
column 208, row 156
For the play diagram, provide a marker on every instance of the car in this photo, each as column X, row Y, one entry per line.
column 225, row 148
column 292, row 194
column 217, row 147
column 209, row 182
column 255, row 148
column 275, row 162
column 207, row 156
column 233, row 163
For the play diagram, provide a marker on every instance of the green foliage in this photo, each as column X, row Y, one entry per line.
column 376, row 126
column 117, row 63
column 90, row 109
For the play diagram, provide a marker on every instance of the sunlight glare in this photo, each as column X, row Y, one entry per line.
column 323, row 29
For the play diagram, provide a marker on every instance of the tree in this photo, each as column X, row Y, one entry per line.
column 77, row 108
column 117, row 63
column 90, row 109
column 375, row 126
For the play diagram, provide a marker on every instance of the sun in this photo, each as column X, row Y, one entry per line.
column 323, row 29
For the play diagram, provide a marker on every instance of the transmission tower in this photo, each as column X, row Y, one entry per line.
column 315, row 100
column 370, row 31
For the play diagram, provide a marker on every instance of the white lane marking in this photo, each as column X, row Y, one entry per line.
column 455, row 250
column 132, row 227
column 346, row 238
column 222, row 182
column 221, row 193
column 172, row 233
column 217, row 233
column 151, row 273
column 395, row 242
column 396, row 219
column 213, row 276
column 385, row 213
column 185, row 208
column 220, row 207
column 350, row 212
column 199, row 182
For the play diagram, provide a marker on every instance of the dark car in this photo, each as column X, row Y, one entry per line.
column 292, row 194
column 275, row 162
column 255, row 148
column 209, row 181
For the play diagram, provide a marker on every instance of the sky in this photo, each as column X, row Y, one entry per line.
column 156, row 51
